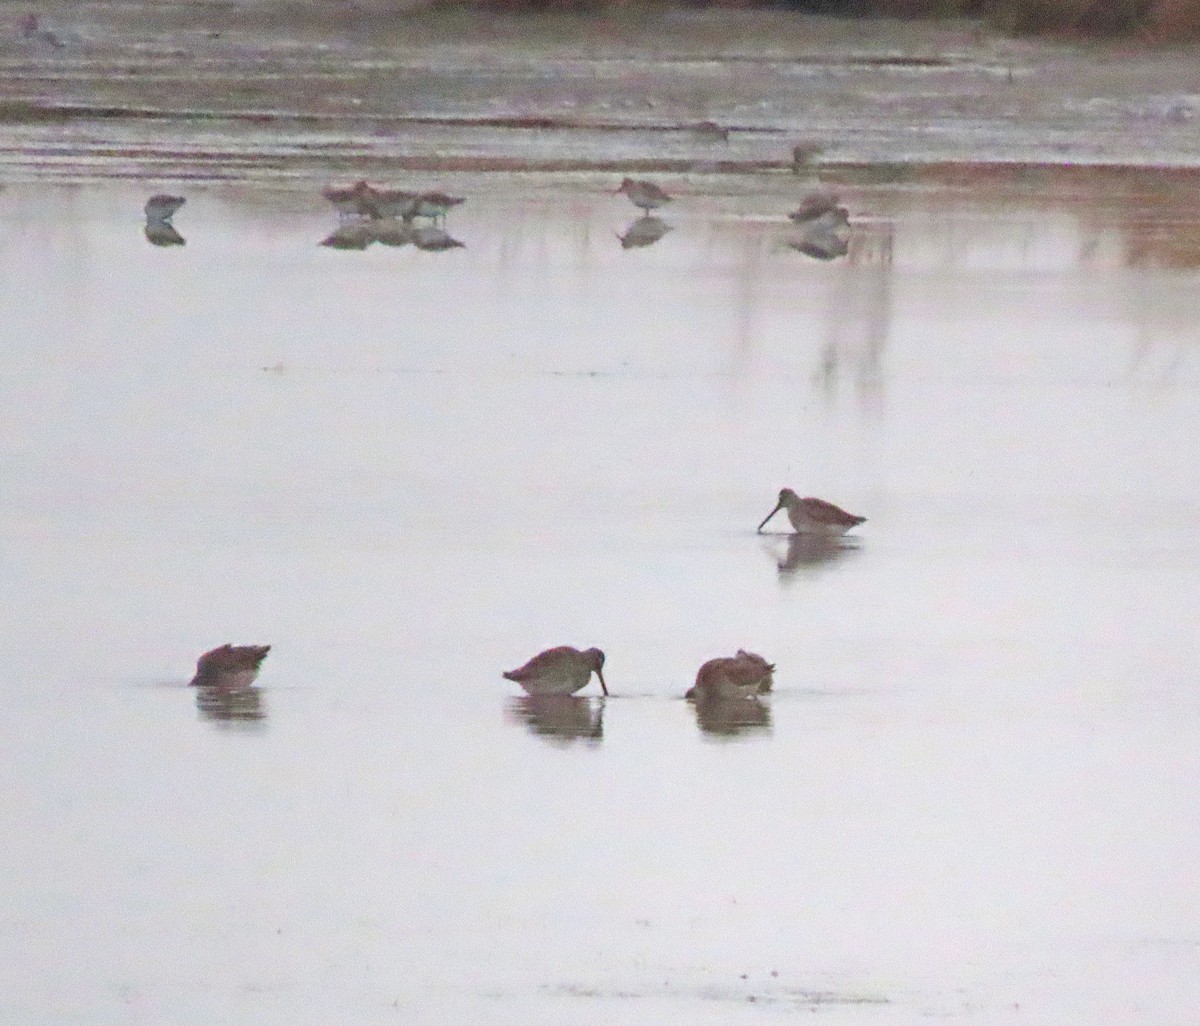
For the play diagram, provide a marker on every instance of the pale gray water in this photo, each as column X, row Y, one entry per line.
column 971, row 797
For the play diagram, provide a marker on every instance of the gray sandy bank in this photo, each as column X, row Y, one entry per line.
column 268, row 91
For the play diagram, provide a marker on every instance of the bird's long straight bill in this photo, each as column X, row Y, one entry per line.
column 778, row 507
column 603, row 686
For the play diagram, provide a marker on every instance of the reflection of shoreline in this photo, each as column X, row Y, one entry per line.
column 1156, row 235
column 560, row 719
column 859, row 322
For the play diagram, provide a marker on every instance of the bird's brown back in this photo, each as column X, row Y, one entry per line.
column 828, row 513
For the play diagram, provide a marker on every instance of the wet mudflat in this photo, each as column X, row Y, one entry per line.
column 268, row 90
column 969, row 795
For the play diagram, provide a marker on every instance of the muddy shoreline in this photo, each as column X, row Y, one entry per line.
column 238, row 91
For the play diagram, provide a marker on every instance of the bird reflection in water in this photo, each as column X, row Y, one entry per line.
column 645, row 231
column 394, row 233
column 358, row 235
column 233, row 706
column 726, row 695
column 159, row 229
column 560, row 719
column 820, row 245
column 823, row 238
column 367, row 215
column 732, row 717
column 433, row 239
column 822, row 228
column 224, row 684
column 808, row 552
column 163, row 233
column 857, row 320
column 351, row 236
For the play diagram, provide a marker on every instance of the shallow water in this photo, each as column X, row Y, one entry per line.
column 968, row 797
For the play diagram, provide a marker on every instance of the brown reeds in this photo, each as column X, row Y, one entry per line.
column 1175, row 19
column 1163, row 20
column 1153, row 20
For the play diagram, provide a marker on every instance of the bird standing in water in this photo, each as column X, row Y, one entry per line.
column 645, row 195
column 162, row 207
column 813, row 516
column 351, row 202
column 745, row 675
column 560, row 671
column 385, row 204
column 435, row 204
column 230, row 666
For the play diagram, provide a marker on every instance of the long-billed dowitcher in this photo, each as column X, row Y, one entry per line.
column 385, row 204
column 745, row 675
column 162, row 207
column 230, row 666
column 813, row 516
column 645, row 195
column 824, row 227
column 364, row 201
column 435, row 204
column 560, row 671
column 351, row 202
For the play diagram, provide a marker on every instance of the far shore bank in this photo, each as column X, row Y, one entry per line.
column 256, row 90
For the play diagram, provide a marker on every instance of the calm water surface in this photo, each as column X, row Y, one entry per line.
column 971, row 796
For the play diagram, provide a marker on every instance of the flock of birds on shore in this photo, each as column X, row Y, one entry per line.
column 823, row 225
column 398, row 217
column 368, row 215
column 727, row 683
column 365, row 215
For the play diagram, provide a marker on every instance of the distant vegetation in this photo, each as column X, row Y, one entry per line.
column 1164, row 19
column 1161, row 20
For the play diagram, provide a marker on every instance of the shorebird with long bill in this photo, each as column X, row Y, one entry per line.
column 644, row 195
column 813, row 516
column 435, row 205
column 231, row 667
column 162, row 207
column 560, row 671
column 745, row 675
column 350, row 202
